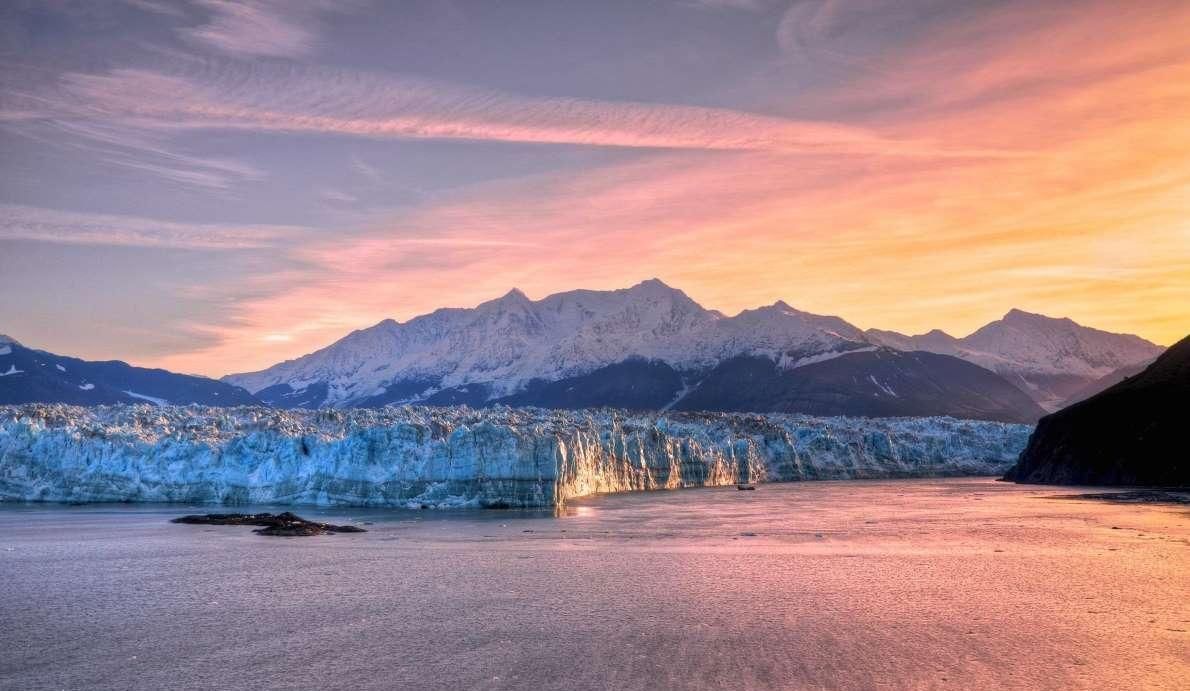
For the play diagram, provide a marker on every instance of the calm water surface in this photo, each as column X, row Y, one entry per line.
column 867, row 585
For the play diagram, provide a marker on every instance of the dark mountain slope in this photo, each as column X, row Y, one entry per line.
column 1106, row 382
column 632, row 385
column 35, row 376
column 881, row 382
column 1131, row 434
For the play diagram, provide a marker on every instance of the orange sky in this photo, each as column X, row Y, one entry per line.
column 1032, row 156
column 1073, row 201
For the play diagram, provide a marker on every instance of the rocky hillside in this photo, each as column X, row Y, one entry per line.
column 1130, row 434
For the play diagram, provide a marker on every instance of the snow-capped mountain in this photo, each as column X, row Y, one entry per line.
column 35, row 376
column 652, row 347
column 1049, row 359
column 500, row 347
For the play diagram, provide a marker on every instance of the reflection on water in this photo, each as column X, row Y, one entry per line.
column 900, row 584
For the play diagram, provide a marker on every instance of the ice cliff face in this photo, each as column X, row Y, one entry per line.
column 412, row 457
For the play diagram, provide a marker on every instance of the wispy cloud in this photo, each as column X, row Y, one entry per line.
column 58, row 122
column 1094, row 227
column 338, row 196
column 48, row 225
column 162, row 7
column 272, row 28
column 749, row 5
column 300, row 99
column 137, row 149
column 911, row 233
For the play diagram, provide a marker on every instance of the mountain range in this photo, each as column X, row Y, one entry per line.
column 648, row 347
column 1050, row 359
column 652, row 347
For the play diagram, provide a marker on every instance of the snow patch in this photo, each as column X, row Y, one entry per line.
column 786, row 363
column 86, row 387
column 60, row 368
column 150, row 399
column 5, row 350
column 12, row 369
column 678, row 396
column 886, row 389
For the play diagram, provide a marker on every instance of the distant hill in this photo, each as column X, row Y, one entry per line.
column 875, row 383
column 1133, row 433
column 35, row 376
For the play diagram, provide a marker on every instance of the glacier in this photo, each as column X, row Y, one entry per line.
column 419, row 457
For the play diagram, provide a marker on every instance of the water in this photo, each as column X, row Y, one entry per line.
column 896, row 584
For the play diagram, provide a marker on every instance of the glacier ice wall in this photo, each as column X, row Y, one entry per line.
column 416, row 456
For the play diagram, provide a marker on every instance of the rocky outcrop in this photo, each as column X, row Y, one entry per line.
column 273, row 524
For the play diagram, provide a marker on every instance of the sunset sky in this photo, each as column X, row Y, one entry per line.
column 213, row 187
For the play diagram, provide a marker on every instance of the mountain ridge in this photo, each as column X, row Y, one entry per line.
column 1049, row 358
column 28, row 375
column 498, row 349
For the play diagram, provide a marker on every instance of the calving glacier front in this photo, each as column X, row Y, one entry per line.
column 413, row 456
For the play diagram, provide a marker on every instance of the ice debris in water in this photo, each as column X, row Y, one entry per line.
column 459, row 457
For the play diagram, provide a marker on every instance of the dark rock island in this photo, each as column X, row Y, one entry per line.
column 1130, row 434
column 275, row 524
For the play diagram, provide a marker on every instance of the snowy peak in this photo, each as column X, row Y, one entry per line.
column 513, row 299
column 1048, row 345
column 1049, row 358
column 1034, row 320
column 512, row 340
column 1025, row 341
column 512, row 344
column 654, row 285
column 933, row 341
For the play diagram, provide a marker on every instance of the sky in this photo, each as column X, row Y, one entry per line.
column 214, row 186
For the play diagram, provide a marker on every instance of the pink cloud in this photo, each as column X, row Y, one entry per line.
column 298, row 99
column 47, row 225
column 1093, row 226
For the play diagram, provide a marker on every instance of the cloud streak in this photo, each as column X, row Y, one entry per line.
column 891, row 224
column 298, row 99
column 47, row 225
column 1093, row 228
column 249, row 28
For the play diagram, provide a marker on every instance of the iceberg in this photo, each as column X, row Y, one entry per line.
column 416, row 457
